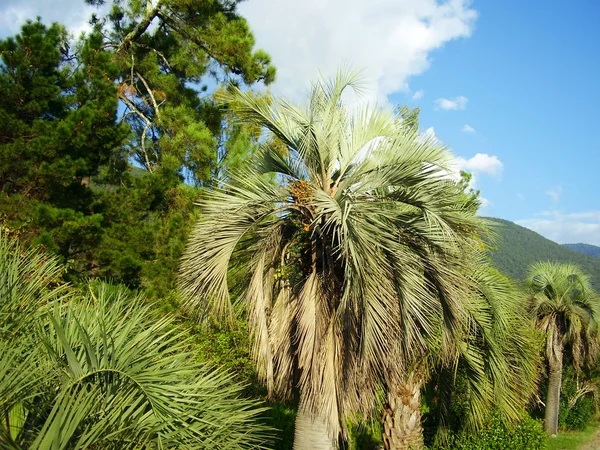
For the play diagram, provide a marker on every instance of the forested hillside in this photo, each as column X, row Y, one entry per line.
column 586, row 249
column 518, row 247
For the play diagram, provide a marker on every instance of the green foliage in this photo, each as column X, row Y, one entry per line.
column 497, row 364
column 577, row 400
column 410, row 118
column 73, row 118
column 166, row 52
column 282, row 417
column 57, row 128
column 100, row 369
column 517, row 248
column 578, row 416
column 145, row 224
column 528, row 434
column 228, row 348
column 57, row 116
column 586, row 249
column 30, row 281
column 364, row 434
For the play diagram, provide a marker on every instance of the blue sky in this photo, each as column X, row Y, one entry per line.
column 510, row 86
column 530, row 72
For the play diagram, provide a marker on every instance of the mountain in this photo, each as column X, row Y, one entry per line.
column 586, row 249
column 516, row 248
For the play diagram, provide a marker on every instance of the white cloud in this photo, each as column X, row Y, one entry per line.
column 429, row 135
column 468, row 129
column 555, row 193
column 481, row 163
column 74, row 14
column 454, row 104
column 566, row 228
column 418, row 95
column 390, row 40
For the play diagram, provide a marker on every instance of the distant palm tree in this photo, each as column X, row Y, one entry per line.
column 566, row 309
column 353, row 238
column 101, row 370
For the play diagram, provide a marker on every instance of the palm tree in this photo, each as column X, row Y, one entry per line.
column 101, row 370
column 352, row 241
column 566, row 310
column 496, row 350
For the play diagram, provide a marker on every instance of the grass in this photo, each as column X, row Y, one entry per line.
column 572, row 440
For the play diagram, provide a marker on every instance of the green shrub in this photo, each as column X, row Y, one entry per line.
column 282, row 417
column 364, row 434
column 577, row 416
column 526, row 435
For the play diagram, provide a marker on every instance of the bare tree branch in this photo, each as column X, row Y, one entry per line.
column 154, row 104
column 141, row 27
column 135, row 110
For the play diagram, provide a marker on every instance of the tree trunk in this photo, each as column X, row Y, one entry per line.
column 553, row 398
column 402, row 417
column 312, row 432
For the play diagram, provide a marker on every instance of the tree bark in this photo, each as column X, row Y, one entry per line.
column 141, row 27
column 402, row 417
column 312, row 432
column 555, row 363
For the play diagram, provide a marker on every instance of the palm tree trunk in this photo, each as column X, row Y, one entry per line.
column 553, row 399
column 402, row 417
column 312, row 432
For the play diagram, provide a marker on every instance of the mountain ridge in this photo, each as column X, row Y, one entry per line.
column 586, row 249
column 516, row 248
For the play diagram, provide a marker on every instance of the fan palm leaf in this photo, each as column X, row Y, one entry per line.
column 100, row 369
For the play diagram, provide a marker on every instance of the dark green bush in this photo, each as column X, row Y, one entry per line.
column 282, row 417
column 526, row 435
column 578, row 416
column 364, row 434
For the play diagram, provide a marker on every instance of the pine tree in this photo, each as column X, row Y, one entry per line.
column 169, row 52
column 58, row 126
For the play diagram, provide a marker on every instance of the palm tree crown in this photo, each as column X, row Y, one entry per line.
column 565, row 307
column 349, row 243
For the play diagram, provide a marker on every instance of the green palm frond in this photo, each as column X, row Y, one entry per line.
column 135, row 376
column 103, row 370
column 506, row 343
column 495, row 354
column 29, row 282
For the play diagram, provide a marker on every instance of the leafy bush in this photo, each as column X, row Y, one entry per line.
column 574, row 415
column 282, row 417
column 364, row 434
column 526, row 435
column 578, row 417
